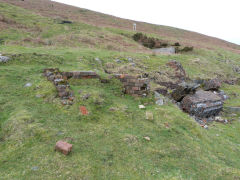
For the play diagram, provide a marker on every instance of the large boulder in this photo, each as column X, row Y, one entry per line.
column 202, row 104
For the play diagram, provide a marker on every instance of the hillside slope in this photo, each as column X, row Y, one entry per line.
column 110, row 142
column 55, row 10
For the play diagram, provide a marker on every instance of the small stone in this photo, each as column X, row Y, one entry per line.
column 35, row 168
column 217, row 135
column 4, row 59
column 205, row 126
column 118, row 61
column 149, row 115
column 112, row 109
column 63, row 147
column 38, row 96
column 130, row 59
column 86, row 96
column 160, row 102
column 147, row 138
column 98, row 60
column 28, row 85
column 141, row 107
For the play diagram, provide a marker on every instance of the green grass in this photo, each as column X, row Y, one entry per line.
column 106, row 144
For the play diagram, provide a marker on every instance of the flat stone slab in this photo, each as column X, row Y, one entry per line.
column 202, row 104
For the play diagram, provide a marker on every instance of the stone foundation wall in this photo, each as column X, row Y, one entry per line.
column 59, row 79
column 134, row 85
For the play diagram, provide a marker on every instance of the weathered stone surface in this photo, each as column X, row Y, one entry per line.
column 4, row 59
column 202, row 104
column 184, row 89
column 213, row 84
column 63, row 147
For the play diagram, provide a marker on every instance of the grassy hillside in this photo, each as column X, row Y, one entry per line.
column 109, row 143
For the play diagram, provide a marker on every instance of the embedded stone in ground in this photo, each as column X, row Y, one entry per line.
column 63, row 147
column 202, row 104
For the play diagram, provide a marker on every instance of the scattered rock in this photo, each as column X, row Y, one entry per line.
column 112, row 109
column 205, row 126
column 28, row 85
column 149, row 115
column 4, row 59
column 147, row 138
column 35, row 168
column 98, row 60
column 118, row 61
column 38, row 96
column 63, row 147
column 219, row 119
column 86, row 96
column 141, row 107
column 130, row 59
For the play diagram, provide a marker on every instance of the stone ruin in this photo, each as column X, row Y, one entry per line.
column 134, row 85
column 200, row 98
column 59, row 79
column 202, row 104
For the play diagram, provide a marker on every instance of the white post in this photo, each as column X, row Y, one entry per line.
column 134, row 26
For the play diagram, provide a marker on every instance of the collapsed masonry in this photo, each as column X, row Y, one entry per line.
column 134, row 85
column 202, row 104
column 188, row 94
column 59, row 79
